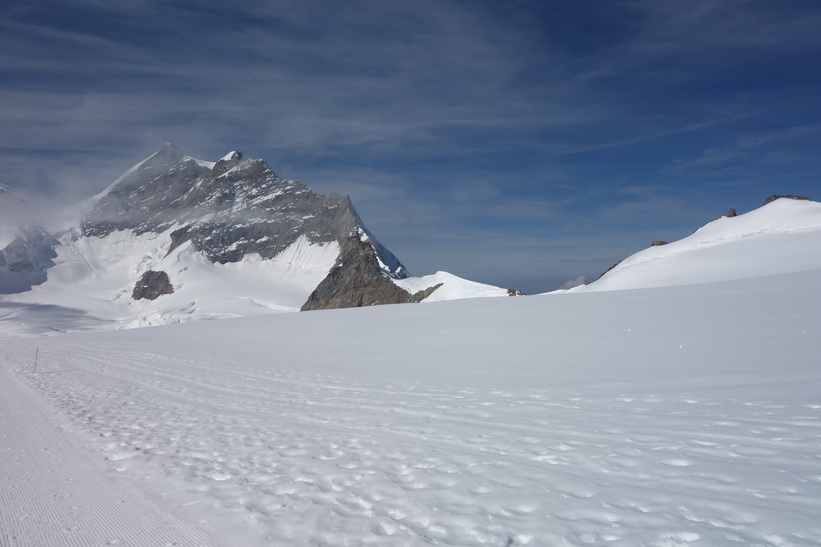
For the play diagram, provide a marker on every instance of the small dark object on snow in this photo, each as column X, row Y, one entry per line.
column 152, row 285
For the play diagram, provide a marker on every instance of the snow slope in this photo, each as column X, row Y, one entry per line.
column 686, row 415
column 453, row 287
column 96, row 275
column 779, row 237
column 681, row 415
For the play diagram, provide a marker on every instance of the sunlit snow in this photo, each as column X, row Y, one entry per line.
column 779, row 237
column 96, row 276
column 679, row 415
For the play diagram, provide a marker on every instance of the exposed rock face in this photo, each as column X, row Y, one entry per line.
column 775, row 197
column 657, row 243
column 24, row 261
column 239, row 206
column 152, row 285
column 605, row 272
column 358, row 280
column 731, row 213
column 235, row 207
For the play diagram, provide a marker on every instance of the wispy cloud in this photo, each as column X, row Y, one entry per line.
column 521, row 123
column 749, row 143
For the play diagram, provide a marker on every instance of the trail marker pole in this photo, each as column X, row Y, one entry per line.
column 36, row 355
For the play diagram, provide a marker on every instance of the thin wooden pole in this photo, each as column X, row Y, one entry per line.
column 36, row 355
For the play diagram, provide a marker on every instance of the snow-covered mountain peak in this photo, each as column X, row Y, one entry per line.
column 779, row 237
column 233, row 155
column 183, row 230
column 776, row 215
column 169, row 152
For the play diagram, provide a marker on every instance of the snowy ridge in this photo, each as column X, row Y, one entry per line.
column 201, row 163
column 130, row 172
column 453, row 287
column 769, row 240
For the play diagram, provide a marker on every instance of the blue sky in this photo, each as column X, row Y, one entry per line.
column 518, row 143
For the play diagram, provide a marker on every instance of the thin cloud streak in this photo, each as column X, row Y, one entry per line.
column 525, row 123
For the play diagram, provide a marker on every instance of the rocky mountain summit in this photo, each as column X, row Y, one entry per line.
column 175, row 232
column 227, row 209
column 238, row 206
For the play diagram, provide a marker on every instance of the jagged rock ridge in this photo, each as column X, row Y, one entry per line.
column 239, row 206
column 356, row 280
column 229, row 209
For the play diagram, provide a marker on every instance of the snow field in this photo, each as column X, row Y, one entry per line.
column 679, row 416
column 96, row 276
column 52, row 493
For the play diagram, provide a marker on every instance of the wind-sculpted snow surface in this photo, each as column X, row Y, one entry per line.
column 686, row 415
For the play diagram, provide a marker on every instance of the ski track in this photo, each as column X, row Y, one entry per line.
column 273, row 455
column 52, row 494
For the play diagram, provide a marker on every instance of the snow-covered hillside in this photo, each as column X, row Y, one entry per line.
column 782, row 236
column 96, row 275
column 452, row 287
column 670, row 416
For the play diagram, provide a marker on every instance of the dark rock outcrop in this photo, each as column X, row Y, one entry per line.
column 605, row 272
column 789, row 196
column 657, row 243
column 152, row 285
column 358, row 280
